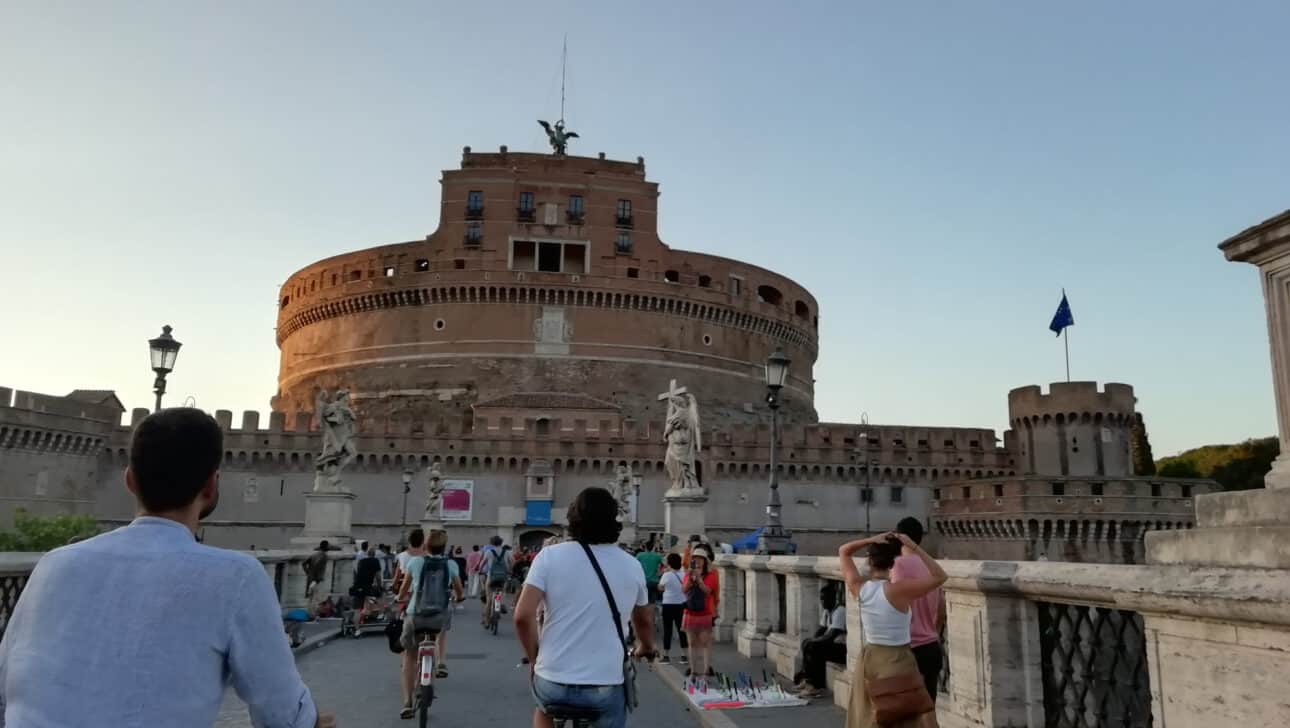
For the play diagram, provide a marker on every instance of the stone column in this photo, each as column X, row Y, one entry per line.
column 992, row 642
column 762, row 604
column 328, row 515
column 730, row 605
column 293, row 587
column 801, row 613
column 683, row 513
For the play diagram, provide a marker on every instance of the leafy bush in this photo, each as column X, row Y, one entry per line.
column 1236, row 467
column 42, row 533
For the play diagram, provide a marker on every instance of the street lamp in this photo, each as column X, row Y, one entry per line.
column 774, row 539
column 164, row 350
column 866, row 494
column 407, row 488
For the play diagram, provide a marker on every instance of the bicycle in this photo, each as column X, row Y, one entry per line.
column 425, row 681
column 494, row 615
column 568, row 716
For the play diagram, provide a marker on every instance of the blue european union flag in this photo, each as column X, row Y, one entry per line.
column 1063, row 317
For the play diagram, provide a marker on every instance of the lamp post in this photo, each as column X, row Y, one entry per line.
column 636, row 504
column 866, row 494
column 774, row 539
column 164, row 350
column 407, row 488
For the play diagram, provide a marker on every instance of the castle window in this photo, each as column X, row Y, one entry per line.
column 333, row 279
column 1155, row 490
column 802, row 310
column 526, row 202
column 897, row 494
column 459, row 264
column 866, row 495
column 998, row 490
column 1186, row 491
column 949, row 443
column 1096, row 488
column 736, row 286
column 474, row 233
column 922, row 443
column 1059, row 489
column 770, row 294
column 623, row 215
column 974, row 443
column 967, row 492
column 623, row 243
column 671, row 276
column 705, row 281
column 936, row 493
column 548, row 257
column 543, row 426
column 576, row 210
column 285, row 301
column 474, row 204
column 389, row 271
column 356, row 275
column 422, row 265
column 633, row 273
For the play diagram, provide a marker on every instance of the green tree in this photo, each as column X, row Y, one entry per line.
column 42, row 533
column 1143, row 463
column 1236, row 467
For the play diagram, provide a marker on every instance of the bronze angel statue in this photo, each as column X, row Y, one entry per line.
column 557, row 135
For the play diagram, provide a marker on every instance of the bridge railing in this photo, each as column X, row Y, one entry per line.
column 284, row 569
column 1051, row 643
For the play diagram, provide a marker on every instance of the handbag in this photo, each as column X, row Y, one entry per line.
column 629, row 667
column 898, row 698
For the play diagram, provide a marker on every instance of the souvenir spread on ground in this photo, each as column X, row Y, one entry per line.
column 741, row 690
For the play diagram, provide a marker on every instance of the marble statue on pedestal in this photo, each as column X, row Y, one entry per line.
column 622, row 490
column 681, row 433
column 434, row 494
column 339, row 425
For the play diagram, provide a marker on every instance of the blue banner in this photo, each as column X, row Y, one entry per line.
column 537, row 513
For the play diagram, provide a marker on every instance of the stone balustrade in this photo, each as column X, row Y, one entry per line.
column 1051, row 643
column 282, row 567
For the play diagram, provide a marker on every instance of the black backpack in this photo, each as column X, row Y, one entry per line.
column 695, row 600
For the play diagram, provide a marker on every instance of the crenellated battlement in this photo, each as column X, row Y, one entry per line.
column 1070, row 401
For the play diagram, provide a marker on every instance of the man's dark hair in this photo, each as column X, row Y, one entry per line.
column 495, row 540
column 437, row 543
column 323, row 545
column 593, row 517
column 674, row 561
column 416, row 537
column 475, row 547
column 911, row 527
column 173, row 453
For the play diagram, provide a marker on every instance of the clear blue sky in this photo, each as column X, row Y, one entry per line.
column 935, row 173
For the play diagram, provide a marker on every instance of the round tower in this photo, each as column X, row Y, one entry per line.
column 1074, row 430
column 546, row 276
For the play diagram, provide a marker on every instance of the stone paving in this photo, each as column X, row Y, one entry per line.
column 357, row 680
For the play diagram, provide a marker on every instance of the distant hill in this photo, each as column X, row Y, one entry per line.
column 1236, row 467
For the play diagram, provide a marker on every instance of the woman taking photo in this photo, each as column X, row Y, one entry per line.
column 891, row 681
column 700, row 590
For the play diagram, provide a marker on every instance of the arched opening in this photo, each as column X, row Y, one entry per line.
column 705, row 281
column 671, row 276
column 802, row 310
column 769, row 294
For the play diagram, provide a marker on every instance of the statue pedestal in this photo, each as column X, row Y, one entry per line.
column 683, row 513
column 628, row 534
column 433, row 524
column 327, row 516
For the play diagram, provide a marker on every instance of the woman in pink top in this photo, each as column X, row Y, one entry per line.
column 472, row 569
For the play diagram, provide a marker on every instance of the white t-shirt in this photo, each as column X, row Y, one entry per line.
column 671, row 583
column 837, row 619
column 578, row 644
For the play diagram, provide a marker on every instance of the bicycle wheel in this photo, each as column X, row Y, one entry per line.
column 492, row 627
column 423, row 705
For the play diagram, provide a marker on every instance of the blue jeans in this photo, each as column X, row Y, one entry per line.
column 608, row 699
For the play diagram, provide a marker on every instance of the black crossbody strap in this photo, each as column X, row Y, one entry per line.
column 613, row 606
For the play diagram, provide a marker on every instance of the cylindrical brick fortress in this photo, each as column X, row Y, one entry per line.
column 546, row 275
column 1074, row 429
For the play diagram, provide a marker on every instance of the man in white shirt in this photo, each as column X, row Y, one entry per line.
column 578, row 658
column 828, row 645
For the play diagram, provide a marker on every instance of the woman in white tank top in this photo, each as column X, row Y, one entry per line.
column 885, row 615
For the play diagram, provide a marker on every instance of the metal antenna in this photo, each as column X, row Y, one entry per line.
column 564, row 62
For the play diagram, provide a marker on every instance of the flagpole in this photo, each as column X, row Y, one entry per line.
column 1067, row 341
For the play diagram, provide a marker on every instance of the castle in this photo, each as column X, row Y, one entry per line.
column 526, row 344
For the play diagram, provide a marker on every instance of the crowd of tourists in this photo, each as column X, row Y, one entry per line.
column 584, row 612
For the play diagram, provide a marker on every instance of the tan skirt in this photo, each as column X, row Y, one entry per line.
column 878, row 661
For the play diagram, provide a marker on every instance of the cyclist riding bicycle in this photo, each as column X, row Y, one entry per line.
column 434, row 581
column 496, row 567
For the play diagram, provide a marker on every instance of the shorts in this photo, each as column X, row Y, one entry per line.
column 697, row 622
column 409, row 637
column 608, row 699
column 929, row 658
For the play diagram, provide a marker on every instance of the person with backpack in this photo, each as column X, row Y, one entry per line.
column 496, row 568
column 434, row 581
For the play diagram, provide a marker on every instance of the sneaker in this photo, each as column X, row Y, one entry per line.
column 665, row 660
column 685, row 660
column 810, row 692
